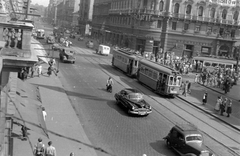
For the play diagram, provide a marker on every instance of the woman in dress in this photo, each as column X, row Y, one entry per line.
column 218, row 103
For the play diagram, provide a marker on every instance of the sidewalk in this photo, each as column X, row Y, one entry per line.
column 195, row 99
column 63, row 125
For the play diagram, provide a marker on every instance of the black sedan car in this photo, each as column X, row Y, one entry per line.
column 133, row 101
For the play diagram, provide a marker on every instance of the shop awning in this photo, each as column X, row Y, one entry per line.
column 25, row 107
column 29, row 113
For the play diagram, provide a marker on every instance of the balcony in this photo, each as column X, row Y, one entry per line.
column 136, row 11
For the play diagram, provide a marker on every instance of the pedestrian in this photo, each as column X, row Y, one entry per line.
column 183, row 87
column 39, row 70
column 229, row 108
column 24, row 132
column 223, row 106
column 189, row 88
column 44, row 113
column 218, row 103
column 50, row 150
column 196, row 78
column 33, row 70
column 39, row 148
column 204, row 100
column 50, row 70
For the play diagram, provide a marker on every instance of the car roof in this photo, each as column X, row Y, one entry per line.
column 131, row 90
column 187, row 129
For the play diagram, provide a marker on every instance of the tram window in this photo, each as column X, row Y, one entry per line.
column 171, row 80
column 179, row 81
column 207, row 64
column 160, row 77
column 214, row 64
column 228, row 66
column 150, row 73
column 142, row 69
column 146, row 71
column 155, row 75
column 165, row 79
column 221, row 65
column 136, row 63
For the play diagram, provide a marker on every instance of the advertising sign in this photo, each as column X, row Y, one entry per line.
column 230, row 3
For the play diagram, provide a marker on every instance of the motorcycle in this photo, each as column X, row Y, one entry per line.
column 109, row 88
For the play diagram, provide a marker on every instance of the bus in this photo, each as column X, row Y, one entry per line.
column 127, row 61
column 40, row 34
column 212, row 63
column 162, row 79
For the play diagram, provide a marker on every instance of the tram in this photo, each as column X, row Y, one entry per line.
column 211, row 63
column 162, row 79
column 126, row 61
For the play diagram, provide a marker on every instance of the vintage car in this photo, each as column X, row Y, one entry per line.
column 66, row 54
column 133, row 101
column 186, row 140
column 50, row 40
column 90, row 44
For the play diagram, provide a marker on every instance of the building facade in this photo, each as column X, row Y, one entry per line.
column 180, row 27
column 85, row 16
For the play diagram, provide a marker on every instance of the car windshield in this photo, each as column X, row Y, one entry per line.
column 135, row 97
column 194, row 137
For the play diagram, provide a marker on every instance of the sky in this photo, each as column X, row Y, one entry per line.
column 41, row 2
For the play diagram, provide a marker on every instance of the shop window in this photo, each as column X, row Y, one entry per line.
column 224, row 14
column 176, row 8
column 205, row 50
column 13, row 37
column 221, row 30
column 159, row 24
column 174, row 25
column 155, row 47
column 189, row 9
column 186, row 26
column 209, row 29
column 232, row 33
column 200, row 11
column 188, row 47
column 197, row 28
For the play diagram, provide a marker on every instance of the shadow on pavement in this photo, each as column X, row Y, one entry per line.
column 118, row 108
column 160, row 147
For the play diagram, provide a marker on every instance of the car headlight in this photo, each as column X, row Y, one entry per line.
column 132, row 108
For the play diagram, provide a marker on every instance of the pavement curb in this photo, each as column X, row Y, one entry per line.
column 209, row 113
column 217, row 91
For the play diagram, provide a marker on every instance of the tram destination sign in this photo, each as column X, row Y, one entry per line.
column 230, row 3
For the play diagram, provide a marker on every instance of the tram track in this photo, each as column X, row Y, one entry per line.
column 103, row 68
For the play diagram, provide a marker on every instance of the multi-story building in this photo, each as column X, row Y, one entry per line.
column 75, row 15
column 65, row 11
column 185, row 27
column 85, row 16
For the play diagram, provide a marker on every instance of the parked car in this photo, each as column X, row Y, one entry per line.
column 186, row 140
column 133, row 101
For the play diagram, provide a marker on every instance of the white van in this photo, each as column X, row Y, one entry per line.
column 103, row 50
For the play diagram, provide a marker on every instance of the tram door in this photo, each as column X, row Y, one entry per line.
column 159, row 82
column 130, row 67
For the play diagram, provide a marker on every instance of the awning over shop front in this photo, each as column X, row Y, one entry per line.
column 25, row 108
column 29, row 113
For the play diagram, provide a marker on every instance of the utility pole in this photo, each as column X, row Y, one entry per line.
column 27, row 9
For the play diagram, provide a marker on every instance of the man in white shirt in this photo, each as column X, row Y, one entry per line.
column 44, row 113
column 50, row 150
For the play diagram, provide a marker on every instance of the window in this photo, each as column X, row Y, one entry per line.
column 186, row 25
column 161, row 5
column 197, row 28
column 150, row 73
column 159, row 24
column 206, row 50
column 200, row 11
column 232, row 33
column 224, row 14
column 176, row 8
column 235, row 16
column 174, row 25
column 209, row 29
column 189, row 9
column 221, row 31
column 155, row 75
column 188, row 47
